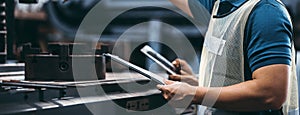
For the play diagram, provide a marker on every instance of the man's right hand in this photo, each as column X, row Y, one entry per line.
column 183, row 66
column 186, row 72
column 189, row 79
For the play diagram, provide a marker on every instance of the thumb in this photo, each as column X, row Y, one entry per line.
column 159, row 87
column 175, row 77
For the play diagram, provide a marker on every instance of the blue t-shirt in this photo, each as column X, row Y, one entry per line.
column 268, row 33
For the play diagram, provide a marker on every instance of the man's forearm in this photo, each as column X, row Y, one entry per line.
column 266, row 91
column 238, row 97
column 183, row 5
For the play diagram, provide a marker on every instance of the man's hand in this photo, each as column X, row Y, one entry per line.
column 191, row 80
column 177, row 91
column 185, row 68
column 185, row 71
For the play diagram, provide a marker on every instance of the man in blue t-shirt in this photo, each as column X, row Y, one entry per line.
column 267, row 44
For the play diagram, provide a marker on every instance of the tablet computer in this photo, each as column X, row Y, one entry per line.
column 159, row 59
column 146, row 73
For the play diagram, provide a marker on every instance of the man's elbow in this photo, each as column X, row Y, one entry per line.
column 275, row 102
column 272, row 85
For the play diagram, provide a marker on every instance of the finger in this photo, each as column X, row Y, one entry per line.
column 168, row 82
column 178, row 64
column 165, row 92
column 184, row 73
column 175, row 77
column 176, row 61
column 159, row 87
column 166, row 96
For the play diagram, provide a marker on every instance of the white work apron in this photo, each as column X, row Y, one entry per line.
column 222, row 59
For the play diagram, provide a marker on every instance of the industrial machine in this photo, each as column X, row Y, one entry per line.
column 38, row 35
column 41, row 81
column 106, row 97
column 6, row 26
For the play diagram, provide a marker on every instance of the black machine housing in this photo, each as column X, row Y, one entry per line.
column 57, row 64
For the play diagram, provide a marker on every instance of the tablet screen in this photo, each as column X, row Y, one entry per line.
column 159, row 59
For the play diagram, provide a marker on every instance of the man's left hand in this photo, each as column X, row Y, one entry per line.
column 177, row 90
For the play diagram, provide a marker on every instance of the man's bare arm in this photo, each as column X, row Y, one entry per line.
column 183, row 5
column 267, row 90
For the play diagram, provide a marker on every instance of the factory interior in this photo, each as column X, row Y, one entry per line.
column 56, row 55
